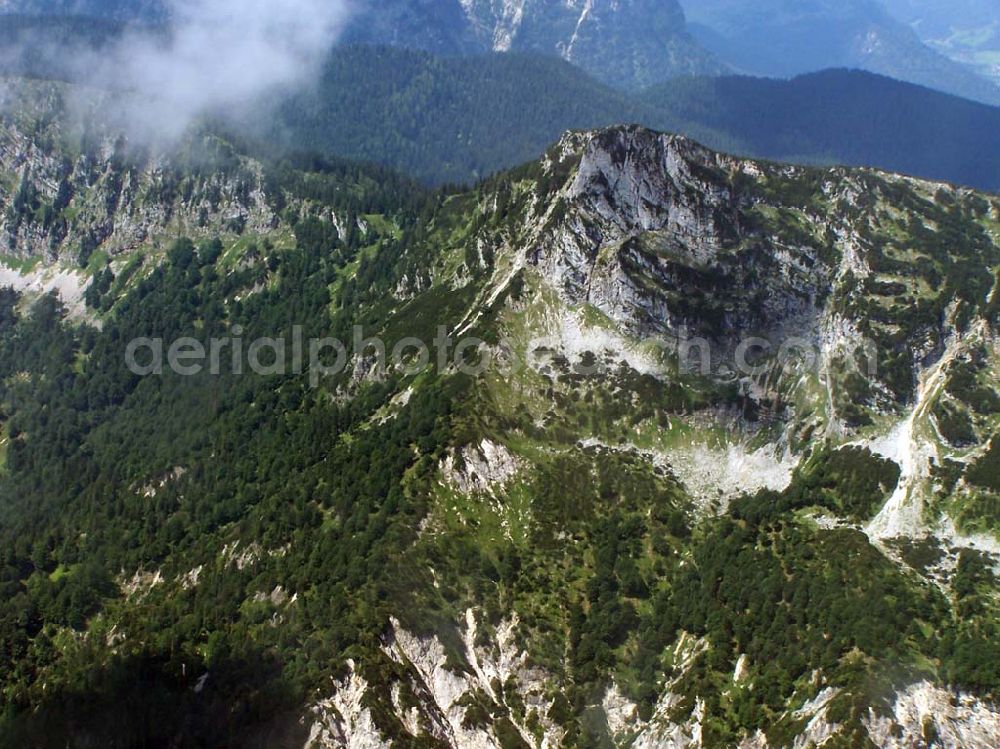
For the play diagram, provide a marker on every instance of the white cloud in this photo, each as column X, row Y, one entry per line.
column 218, row 55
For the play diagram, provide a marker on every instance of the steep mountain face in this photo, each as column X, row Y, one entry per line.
column 78, row 197
column 726, row 478
column 439, row 26
column 63, row 205
column 788, row 38
column 633, row 43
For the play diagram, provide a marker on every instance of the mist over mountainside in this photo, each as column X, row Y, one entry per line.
column 214, row 56
column 624, row 43
column 789, row 37
column 637, row 43
column 141, row 11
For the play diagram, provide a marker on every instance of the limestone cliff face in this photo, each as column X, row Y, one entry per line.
column 444, row 705
column 624, row 43
column 647, row 232
column 667, row 238
column 441, row 704
column 116, row 198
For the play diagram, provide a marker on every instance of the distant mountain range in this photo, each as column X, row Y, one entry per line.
column 624, row 43
column 967, row 31
column 790, row 37
column 631, row 44
column 455, row 119
column 458, row 119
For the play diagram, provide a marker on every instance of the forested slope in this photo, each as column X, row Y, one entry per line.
column 598, row 546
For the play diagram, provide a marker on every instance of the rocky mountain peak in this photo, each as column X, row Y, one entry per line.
column 665, row 237
column 573, row 552
column 639, row 178
column 548, row 521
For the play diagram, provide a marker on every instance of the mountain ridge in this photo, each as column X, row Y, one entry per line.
column 533, row 556
column 784, row 38
column 626, row 43
column 355, row 110
column 966, row 31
